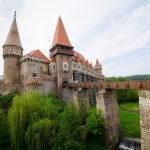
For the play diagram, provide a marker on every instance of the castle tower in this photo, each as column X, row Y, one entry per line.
column 12, row 52
column 98, row 68
column 61, row 51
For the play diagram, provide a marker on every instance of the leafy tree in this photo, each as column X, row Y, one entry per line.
column 30, row 115
column 69, row 133
column 43, row 122
column 4, row 134
column 6, row 100
column 125, row 95
column 95, row 122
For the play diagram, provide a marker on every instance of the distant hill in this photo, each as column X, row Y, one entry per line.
column 138, row 77
column 128, row 78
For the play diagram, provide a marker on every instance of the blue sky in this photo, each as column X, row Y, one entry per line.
column 117, row 32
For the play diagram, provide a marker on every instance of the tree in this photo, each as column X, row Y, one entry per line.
column 70, row 133
column 4, row 134
column 95, row 122
column 31, row 119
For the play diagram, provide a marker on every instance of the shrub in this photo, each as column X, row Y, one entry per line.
column 4, row 134
column 69, row 132
column 6, row 100
column 94, row 122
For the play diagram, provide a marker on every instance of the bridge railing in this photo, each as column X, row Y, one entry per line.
column 137, row 85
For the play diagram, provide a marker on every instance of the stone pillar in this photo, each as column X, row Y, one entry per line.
column 107, row 103
column 78, row 96
column 144, row 101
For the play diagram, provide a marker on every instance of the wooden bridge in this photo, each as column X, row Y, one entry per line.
column 136, row 85
column 106, row 102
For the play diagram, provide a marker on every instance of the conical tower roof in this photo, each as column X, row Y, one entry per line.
column 97, row 65
column 60, row 36
column 13, row 37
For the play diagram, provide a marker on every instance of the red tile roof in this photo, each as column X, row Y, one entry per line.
column 60, row 36
column 37, row 53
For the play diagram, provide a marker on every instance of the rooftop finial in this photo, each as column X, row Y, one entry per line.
column 15, row 15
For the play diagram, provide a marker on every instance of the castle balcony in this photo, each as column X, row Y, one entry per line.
column 33, row 81
column 45, row 77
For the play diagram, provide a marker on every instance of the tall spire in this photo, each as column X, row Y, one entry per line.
column 60, row 36
column 15, row 15
column 97, row 65
column 13, row 37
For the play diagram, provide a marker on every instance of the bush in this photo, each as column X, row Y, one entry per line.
column 4, row 134
column 127, row 96
column 6, row 100
column 69, row 132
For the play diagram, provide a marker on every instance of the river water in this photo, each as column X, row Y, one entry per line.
column 130, row 144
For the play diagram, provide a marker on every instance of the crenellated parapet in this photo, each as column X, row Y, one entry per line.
column 33, row 81
column 12, row 51
column 28, row 58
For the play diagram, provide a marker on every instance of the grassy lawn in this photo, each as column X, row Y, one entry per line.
column 130, row 119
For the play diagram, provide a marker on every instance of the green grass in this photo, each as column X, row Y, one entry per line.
column 130, row 119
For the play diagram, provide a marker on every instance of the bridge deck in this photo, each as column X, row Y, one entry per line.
column 137, row 85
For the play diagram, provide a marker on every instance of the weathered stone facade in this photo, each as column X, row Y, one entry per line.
column 107, row 103
column 144, row 102
column 35, row 71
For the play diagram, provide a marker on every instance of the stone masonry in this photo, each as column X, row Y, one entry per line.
column 144, row 101
column 107, row 103
column 35, row 71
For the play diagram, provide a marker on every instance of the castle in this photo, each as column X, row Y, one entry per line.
column 35, row 70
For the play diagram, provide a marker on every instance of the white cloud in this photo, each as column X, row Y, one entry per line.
column 97, row 28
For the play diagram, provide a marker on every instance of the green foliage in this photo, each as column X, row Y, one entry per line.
column 42, row 133
column 5, row 100
column 83, row 112
column 54, row 101
column 43, row 122
column 69, row 133
column 124, row 95
column 95, row 122
column 139, row 77
column 115, row 79
column 4, row 134
column 27, row 112
column 127, row 96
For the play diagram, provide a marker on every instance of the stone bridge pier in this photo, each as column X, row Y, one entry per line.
column 107, row 103
column 77, row 95
column 144, row 102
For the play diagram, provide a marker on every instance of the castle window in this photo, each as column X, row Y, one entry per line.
column 74, row 65
column 65, row 65
column 34, row 74
column 53, row 66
